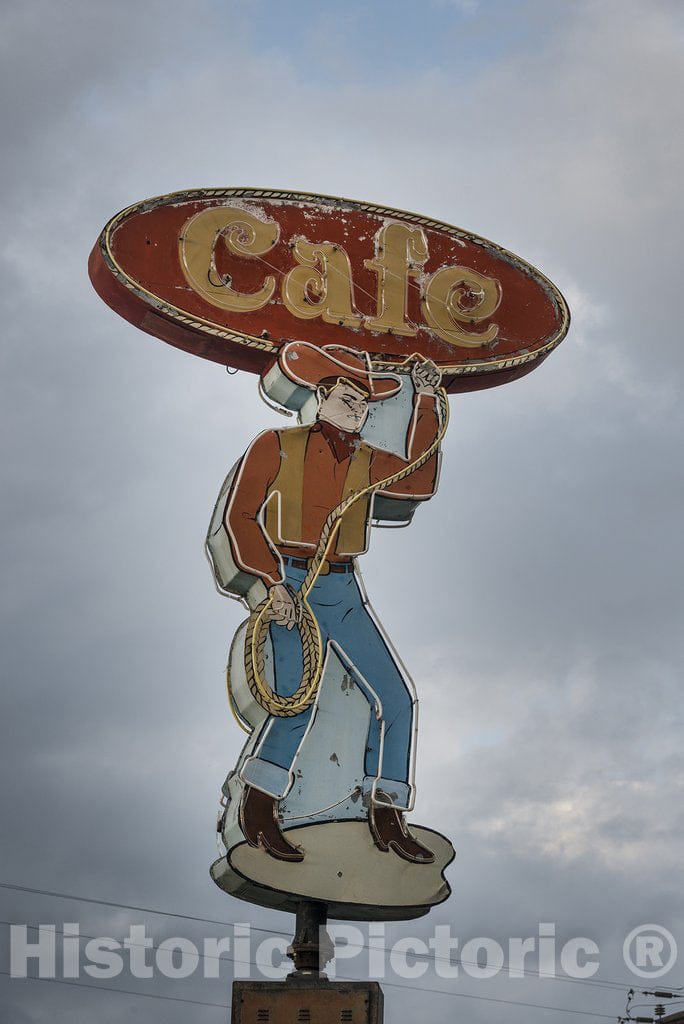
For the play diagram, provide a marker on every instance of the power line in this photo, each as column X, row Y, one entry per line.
column 271, row 931
column 605, row 983
column 141, row 910
column 129, row 943
column 121, row 991
column 492, row 999
column 232, row 959
column 385, row 984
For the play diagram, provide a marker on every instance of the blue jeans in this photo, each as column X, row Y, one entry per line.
column 344, row 620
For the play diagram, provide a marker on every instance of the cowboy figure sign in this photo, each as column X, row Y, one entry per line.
column 359, row 319
column 288, row 485
column 291, row 520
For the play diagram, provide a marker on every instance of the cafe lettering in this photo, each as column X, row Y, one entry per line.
column 454, row 300
column 235, row 274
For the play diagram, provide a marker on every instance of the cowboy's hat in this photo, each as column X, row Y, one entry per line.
column 308, row 365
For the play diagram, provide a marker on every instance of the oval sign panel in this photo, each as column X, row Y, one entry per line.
column 233, row 274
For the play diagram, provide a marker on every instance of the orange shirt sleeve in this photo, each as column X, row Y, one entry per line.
column 251, row 547
column 423, row 429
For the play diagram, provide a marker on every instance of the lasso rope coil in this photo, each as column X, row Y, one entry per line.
column 307, row 625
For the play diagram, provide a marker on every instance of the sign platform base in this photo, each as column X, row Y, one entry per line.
column 312, row 999
column 342, row 868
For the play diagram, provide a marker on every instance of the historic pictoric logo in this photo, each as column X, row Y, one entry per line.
column 359, row 321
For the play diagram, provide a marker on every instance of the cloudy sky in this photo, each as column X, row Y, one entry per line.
column 538, row 600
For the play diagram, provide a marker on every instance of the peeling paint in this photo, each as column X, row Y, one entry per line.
column 347, row 683
column 206, row 332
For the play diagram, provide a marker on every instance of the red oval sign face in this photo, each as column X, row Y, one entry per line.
column 233, row 274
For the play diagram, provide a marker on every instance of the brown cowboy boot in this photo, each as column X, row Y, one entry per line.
column 389, row 831
column 260, row 826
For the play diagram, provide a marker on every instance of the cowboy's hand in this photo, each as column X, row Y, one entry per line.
column 426, row 377
column 285, row 608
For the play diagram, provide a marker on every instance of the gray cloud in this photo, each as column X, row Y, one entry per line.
column 537, row 601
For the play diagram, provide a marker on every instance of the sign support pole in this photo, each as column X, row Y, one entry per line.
column 307, row 994
column 311, row 947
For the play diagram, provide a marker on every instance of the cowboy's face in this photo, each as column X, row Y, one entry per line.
column 344, row 405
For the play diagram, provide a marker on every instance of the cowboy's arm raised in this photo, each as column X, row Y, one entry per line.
column 422, row 432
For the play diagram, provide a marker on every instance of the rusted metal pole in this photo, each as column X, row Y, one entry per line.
column 306, row 993
column 312, row 947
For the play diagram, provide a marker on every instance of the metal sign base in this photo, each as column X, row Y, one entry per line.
column 314, row 1000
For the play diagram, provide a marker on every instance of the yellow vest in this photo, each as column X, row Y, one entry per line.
column 289, row 483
